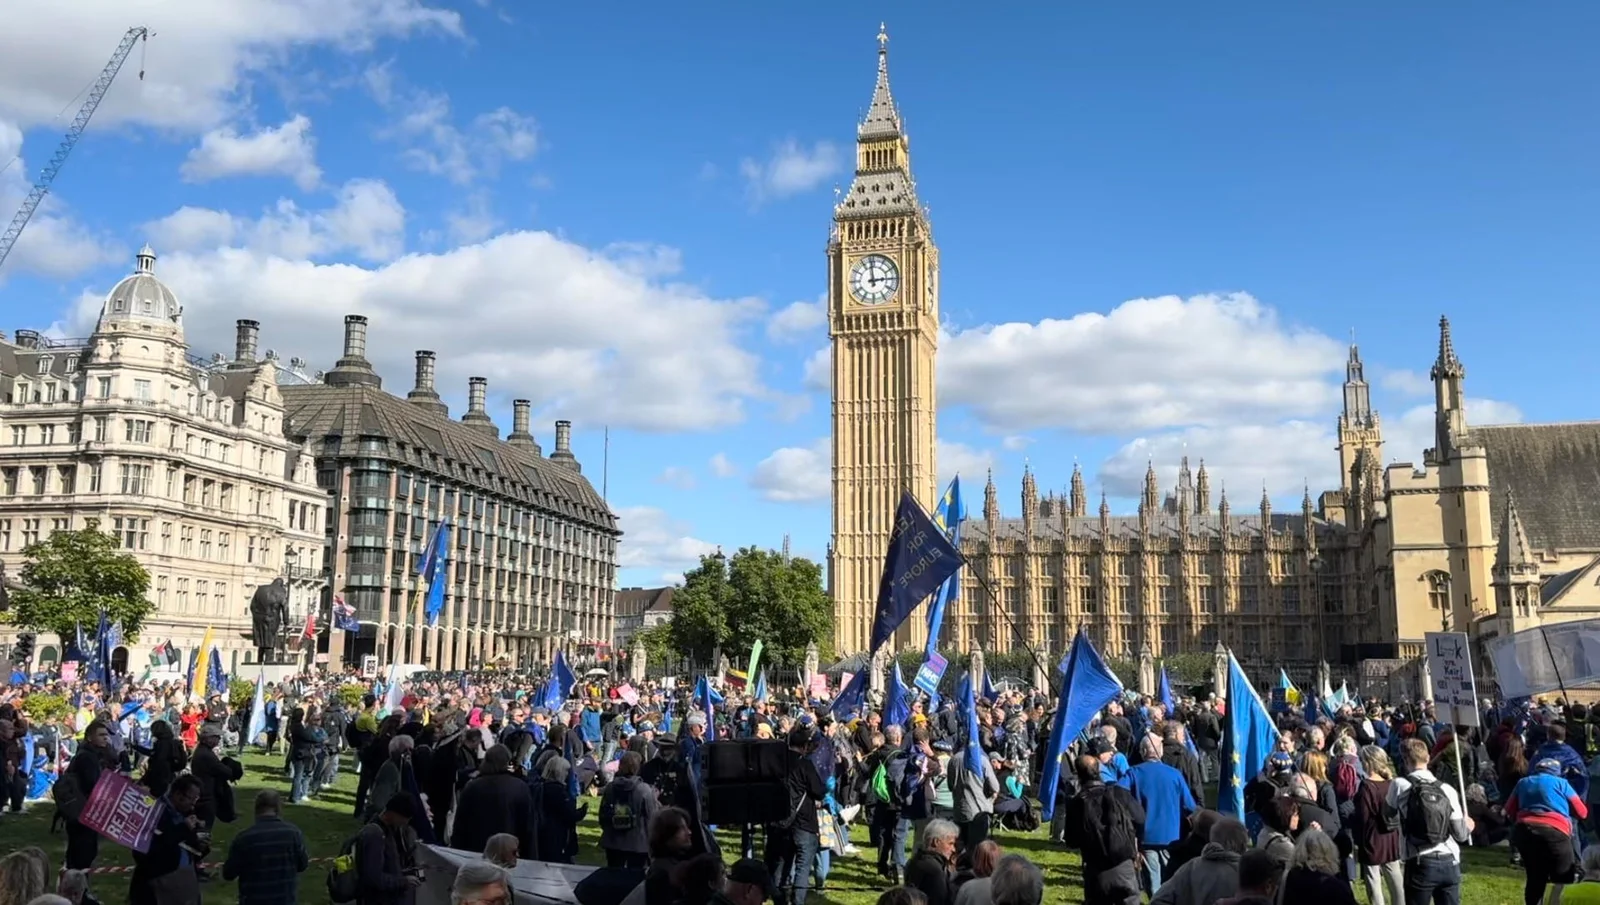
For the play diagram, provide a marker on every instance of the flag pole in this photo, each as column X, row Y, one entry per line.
column 1018, row 633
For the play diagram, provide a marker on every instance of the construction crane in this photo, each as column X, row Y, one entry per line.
column 97, row 92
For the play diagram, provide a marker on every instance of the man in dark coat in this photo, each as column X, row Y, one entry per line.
column 497, row 801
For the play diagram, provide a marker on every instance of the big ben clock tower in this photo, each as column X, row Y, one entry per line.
column 883, row 320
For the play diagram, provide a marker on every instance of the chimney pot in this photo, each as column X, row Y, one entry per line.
column 564, row 437
column 520, row 409
column 244, row 343
column 355, row 336
column 353, row 369
column 477, row 394
column 425, row 365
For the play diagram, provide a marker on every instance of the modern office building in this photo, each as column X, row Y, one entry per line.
column 531, row 562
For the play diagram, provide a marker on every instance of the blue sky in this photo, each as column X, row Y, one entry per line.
column 623, row 217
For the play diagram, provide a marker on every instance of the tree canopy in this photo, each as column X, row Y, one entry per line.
column 71, row 576
column 756, row 594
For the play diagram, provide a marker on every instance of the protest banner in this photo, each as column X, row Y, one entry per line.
column 122, row 812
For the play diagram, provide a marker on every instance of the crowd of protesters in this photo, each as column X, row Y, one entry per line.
column 1367, row 794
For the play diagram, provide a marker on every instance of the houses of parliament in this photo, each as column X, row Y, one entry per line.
column 1497, row 529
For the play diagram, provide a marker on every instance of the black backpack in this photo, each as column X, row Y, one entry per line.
column 616, row 809
column 344, row 883
column 1108, row 835
column 1426, row 815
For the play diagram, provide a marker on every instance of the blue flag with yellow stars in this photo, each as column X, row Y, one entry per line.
column 1248, row 738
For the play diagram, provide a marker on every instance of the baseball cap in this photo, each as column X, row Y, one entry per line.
column 753, row 872
column 1100, row 745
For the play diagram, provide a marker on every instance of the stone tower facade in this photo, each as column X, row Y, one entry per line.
column 883, row 320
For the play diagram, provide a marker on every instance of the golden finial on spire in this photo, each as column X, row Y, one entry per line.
column 883, row 35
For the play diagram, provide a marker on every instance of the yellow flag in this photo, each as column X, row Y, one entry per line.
column 202, row 666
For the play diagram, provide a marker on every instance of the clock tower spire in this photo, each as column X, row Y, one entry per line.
column 883, row 320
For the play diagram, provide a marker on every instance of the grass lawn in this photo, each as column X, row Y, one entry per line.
column 327, row 823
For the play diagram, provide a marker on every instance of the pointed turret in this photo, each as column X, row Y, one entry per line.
column 1202, row 490
column 1450, row 403
column 1515, row 551
column 883, row 117
column 883, row 185
column 1030, row 497
column 1152, row 492
column 1266, row 510
column 1357, row 394
column 991, row 501
column 1105, row 515
column 1307, row 514
column 1515, row 574
column 1080, row 502
column 1223, row 509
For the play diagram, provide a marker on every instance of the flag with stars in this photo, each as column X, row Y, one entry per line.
column 1248, row 737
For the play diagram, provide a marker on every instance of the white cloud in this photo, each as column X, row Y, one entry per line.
column 54, row 244
column 425, row 126
column 790, row 170
column 818, row 371
column 796, row 474
column 1016, row 442
column 677, row 477
column 722, row 466
column 288, row 150
column 1241, row 457
column 1150, row 363
column 959, row 458
column 1406, row 382
column 797, row 320
column 197, row 67
column 1284, row 457
column 366, row 218
column 652, row 539
column 543, row 318
column 1414, row 431
column 474, row 222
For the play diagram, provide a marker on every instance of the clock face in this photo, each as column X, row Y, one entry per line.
column 874, row 279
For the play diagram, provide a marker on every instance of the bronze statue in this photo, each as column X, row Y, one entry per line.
column 269, row 613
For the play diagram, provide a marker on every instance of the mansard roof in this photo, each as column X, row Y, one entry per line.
column 319, row 411
column 1554, row 472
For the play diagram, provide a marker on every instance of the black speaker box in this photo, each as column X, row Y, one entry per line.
column 734, row 804
column 744, row 761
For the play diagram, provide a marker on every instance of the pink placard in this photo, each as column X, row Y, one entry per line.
column 819, row 686
column 628, row 694
column 69, row 671
column 122, row 812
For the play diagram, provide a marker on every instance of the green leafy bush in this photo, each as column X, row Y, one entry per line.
column 41, row 707
column 240, row 693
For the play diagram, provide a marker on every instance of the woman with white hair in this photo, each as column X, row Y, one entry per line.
column 1314, row 872
column 481, row 883
column 557, row 812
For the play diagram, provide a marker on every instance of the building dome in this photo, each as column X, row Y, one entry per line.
column 141, row 297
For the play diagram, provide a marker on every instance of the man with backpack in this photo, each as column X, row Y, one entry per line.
column 885, row 796
column 1433, row 824
column 1104, row 823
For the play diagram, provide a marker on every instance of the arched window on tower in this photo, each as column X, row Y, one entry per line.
column 1439, row 596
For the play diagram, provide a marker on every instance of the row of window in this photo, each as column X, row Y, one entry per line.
column 133, row 533
column 142, row 431
column 1093, row 566
column 1168, row 598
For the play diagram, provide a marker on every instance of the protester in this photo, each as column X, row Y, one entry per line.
column 267, row 857
column 498, row 802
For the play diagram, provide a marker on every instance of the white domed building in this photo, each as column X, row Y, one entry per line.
column 186, row 460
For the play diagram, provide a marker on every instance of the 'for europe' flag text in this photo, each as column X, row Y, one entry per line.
column 920, row 558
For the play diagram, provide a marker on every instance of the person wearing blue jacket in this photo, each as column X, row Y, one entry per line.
column 1167, row 801
column 1555, row 748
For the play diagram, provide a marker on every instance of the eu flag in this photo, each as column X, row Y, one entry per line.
column 560, row 684
column 1165, row 693
column 1089, row 685
column 1248, row 738
column 897, row 703
column 990, row 693
column 948, row 516
column 965, row 700
column 920, row 558
column 761, row 686
column 216, row 680
column 435, row 568
column 852, row 697
column 708, row 698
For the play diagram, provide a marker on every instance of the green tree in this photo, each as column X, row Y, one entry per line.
column 754, row 595
column 657, row 642
column 71, row 576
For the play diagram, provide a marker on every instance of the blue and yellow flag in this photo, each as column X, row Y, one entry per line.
column 948, row 518
column 1248, row 738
